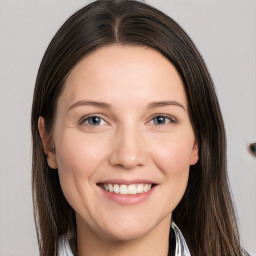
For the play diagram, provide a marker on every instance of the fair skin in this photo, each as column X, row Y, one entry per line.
column 122, row 118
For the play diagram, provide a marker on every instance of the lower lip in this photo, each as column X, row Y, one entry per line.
column 128, row 199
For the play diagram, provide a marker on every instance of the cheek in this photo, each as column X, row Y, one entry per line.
column 79, row 153
column 78, row 157
column 174, row 156
column 74, row 157
column 173, row 160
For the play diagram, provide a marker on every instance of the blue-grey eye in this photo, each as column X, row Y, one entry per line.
column 161, row 120
column 94, row 120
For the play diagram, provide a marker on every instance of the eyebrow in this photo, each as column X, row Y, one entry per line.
column 151, row 105
column 90, row 103
column 165, row 103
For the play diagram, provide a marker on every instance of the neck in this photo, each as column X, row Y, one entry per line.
column 154, row 242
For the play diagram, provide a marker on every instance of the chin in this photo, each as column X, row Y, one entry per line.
column 131, row 228
column 125, row 234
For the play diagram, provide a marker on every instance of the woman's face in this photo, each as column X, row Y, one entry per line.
column 122, row 124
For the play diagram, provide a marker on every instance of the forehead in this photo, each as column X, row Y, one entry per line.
column 116, row 72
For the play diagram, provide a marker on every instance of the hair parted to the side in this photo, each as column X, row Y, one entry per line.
column 205, row 214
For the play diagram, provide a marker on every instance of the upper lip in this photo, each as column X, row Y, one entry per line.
column 126, row 182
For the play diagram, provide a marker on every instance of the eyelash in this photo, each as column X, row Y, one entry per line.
column 86, row 118
column 170, row 118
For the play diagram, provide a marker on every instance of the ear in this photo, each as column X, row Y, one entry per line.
column 195, row 153
column 47, row 144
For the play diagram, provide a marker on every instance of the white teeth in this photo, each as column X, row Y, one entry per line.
column 110, row 188
column 145, row 188
column 132, row 190
column 123, row 189
column 140, row 188
column 116, row 188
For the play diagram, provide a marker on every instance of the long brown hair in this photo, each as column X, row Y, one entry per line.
column 205, row 214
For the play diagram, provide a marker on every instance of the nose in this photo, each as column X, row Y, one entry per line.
column 128, row 149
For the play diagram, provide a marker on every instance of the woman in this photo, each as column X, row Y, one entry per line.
column 129, row 152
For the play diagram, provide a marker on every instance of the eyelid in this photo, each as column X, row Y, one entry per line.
column 172, row 119
column 86, row 117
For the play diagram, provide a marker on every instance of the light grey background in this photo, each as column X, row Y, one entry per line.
column 225, row 33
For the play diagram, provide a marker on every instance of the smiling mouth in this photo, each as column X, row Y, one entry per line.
column 132, row 189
